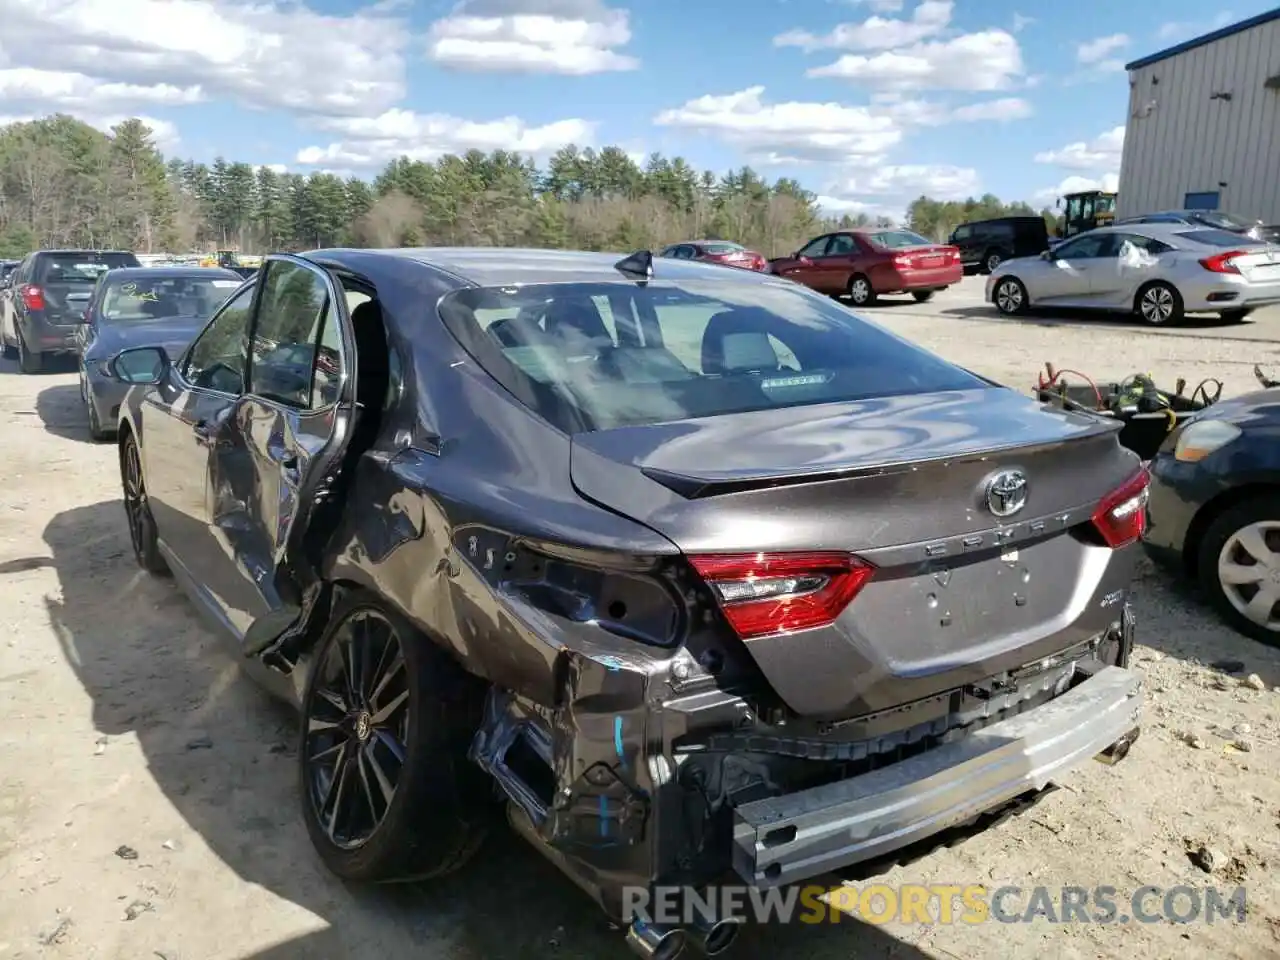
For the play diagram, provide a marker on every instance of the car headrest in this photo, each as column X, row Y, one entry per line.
column 737, row 340
column 578, row 316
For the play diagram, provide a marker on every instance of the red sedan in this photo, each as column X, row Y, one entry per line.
column 717, row 251
column 865, row 264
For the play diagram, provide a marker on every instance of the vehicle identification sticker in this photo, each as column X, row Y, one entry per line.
column 226, row 283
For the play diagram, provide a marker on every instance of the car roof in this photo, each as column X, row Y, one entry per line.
column 1156, row 231
column 78, row 250
column 149, row 273
column 500, row 266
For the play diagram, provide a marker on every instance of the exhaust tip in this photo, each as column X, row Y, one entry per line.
column 1120, row 749
column 654, row 942
column 720, row 937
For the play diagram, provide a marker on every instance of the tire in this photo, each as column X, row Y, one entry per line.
column 860, row 291
column 8, row 350
column 142, row 525
column 440, row 805
column 1235, row 316
column 1010, row 296
column 1221, row 545
column 923, row 296
column 28, row 362
column 1158, row 304
column 991, row 260
column 95, row 425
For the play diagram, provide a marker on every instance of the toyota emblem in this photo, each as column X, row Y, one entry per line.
column 1007, row 493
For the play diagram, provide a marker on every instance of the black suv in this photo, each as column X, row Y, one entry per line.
column 988, row 243
column 42, row 301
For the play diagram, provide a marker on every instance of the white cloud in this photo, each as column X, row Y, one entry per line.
column 840, row 206
column 1020, row 22
column 573, row 37
column 369, row 142
column 930, row 18
column 789, row 131
column 931, row 113
column 1175, row 31
column 907, row 181
column 879, row 6
column 986, row 60
column 263, row 54
column 1099, row 155
column 1075, row 184
column 65, row 90
column 1101, row 48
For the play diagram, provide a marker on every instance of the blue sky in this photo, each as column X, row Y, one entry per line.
column 867, row 102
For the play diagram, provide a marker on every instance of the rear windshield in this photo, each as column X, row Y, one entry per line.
column 1217, row 238
column 595, row 356
column 149, row 299
column 1224, row 221
column 82, row 267
column 720, row 248
column 897, row 238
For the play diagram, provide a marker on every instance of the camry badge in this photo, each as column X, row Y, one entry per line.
column 1007, row 493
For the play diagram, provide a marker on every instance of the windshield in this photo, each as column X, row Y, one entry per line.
column 1105, row 205
column 84, row 266
column 1223, row 221
column 152, row 298
column 602, row 355
column 898, row 238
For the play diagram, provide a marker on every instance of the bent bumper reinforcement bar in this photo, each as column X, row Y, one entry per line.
column 789, row 838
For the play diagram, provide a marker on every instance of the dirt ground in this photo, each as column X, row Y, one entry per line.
column 147, row 792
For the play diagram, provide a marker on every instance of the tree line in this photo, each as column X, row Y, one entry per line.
column 64, row 183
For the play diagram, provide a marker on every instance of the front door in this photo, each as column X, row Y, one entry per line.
column 803, row 268
column 1071, row 270
column 281, row 443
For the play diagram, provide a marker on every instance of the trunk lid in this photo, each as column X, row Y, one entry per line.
column 902, row 483
column 66, row 281
column 1260, row 264
column 925, row 257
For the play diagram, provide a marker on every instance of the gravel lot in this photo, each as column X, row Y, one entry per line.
column 147, row 802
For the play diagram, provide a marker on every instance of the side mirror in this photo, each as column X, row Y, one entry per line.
column 141, row 365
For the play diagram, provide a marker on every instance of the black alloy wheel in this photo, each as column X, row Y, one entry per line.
column 357, row 729
column 142, row 526
column 388, row 793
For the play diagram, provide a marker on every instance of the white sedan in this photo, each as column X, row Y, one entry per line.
column 1158, row 271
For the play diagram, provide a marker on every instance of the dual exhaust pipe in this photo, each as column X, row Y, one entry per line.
column 656, row 941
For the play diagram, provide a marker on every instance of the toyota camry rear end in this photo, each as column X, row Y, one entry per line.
column 792, row 595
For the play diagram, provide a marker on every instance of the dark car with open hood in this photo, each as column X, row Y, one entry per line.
column 140, row 306
column 693, row 570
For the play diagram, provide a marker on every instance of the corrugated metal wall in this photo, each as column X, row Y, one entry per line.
column 1187, row 143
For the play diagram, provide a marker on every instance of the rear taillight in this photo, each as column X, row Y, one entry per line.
column 763, row 594
column 902, row 260
column 953, row 254
column 1121, row 517
column 1222, row 262
column 32, row 296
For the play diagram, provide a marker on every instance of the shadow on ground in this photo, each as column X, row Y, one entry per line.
column 1175, row 618
column 1063, row 317
column 223, row 755
column 62, row 412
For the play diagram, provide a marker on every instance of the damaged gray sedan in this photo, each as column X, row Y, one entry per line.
column 691, row 573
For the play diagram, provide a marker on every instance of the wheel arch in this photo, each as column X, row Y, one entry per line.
column 1143, row 288
column 1215, row 508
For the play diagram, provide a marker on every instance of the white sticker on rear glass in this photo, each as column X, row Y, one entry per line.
column 226, row 283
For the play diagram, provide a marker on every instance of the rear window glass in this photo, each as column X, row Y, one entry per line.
column 718, row 248
column 83, row 267
column 1216, row 238
column 169, row 296
column 596, row 356
column 897, row 238
column 1224, row 221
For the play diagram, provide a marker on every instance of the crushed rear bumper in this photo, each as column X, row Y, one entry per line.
column 788, row 838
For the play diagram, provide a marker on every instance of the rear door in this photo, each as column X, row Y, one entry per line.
column 282, row 441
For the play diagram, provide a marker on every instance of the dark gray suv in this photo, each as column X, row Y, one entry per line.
column 44, row 301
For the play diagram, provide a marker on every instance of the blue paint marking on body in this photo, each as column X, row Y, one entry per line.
column 617, row 738
column 612, row 664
